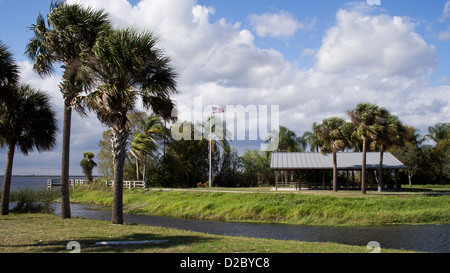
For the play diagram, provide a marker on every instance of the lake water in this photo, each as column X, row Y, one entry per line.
column 32, row 182
column 427, row 238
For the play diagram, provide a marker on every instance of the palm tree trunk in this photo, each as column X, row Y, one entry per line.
column 137, row 168
column 363, row 171
column 65, row 200
column 118, row 141
column 7, row 179
column 380, row 172
column 334, row 172
column 143, row 172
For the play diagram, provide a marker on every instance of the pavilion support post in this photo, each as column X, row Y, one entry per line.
column 347, row 177
column 314, row 178
column 276, row 180
column 397, row 180
column 323, row 179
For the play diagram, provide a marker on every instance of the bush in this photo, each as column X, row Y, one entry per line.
column 33, row 201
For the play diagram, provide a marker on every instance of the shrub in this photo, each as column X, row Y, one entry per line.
column 33, row 201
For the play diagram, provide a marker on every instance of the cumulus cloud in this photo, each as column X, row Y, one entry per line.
column 377, row 45
column 363, row 57
column 281, row 24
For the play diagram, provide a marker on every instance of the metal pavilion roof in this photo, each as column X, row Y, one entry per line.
column 345, row 161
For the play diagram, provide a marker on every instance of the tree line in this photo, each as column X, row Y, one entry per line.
column 154, row 156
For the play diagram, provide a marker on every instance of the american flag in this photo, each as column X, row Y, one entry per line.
column 217, row 110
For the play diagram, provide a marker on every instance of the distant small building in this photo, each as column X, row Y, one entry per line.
column 282, row 163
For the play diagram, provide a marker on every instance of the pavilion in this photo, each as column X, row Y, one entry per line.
column 284, row 164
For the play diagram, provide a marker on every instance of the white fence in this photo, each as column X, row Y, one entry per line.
column 57, row 183
column 129, row 184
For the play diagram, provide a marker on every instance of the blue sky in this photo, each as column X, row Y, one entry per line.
column 314, row 59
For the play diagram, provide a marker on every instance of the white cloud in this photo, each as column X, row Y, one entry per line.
column 446, row 11
column 363, row 57
column 281, row 24
column 377, row 45
column 444, row 35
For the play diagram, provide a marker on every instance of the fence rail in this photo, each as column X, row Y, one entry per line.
column 72, row 182
column 129, row 184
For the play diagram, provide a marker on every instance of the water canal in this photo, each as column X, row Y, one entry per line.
column 427, row 238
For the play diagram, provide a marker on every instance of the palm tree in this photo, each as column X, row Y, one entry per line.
column 156, row 130
column 27, row 122
column 141, row 146
column 127, row 67
column 87, row 165
column 68, row 37
column 367, row 119
column 287, row 142
column 331, row 139
column 9, row 71
column 390, row 133
column 311, row 138
column 438, row 132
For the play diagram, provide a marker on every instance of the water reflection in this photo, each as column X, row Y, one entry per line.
column 428, row 238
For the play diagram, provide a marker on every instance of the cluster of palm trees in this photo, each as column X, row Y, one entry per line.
column 106, row 71
column 370, row 127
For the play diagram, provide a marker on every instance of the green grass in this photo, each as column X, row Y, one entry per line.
column 46, row 233
column 324, row 209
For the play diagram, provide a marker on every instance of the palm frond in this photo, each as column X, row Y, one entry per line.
column 31, row 123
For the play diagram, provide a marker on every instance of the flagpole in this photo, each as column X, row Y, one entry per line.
column 210, row 148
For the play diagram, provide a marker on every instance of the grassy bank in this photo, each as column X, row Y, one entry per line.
column 29, row 233
column 341, row 209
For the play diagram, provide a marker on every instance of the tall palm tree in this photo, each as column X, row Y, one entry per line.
column 68, row 37
column 127, row 67
column 331, row 138
column 367, row 119
column 390, row 132
column 9, row 71
column 27, row 122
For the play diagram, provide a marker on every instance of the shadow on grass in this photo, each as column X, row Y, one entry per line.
column 87, row 245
